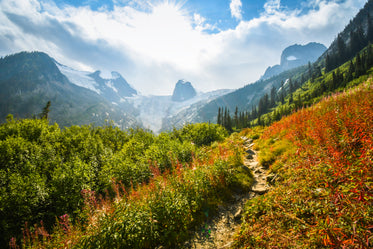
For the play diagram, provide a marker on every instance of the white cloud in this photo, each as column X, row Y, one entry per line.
column 156, row 47
column 272, row 6
column 235, row 7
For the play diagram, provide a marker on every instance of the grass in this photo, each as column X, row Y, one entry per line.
column 323, row 195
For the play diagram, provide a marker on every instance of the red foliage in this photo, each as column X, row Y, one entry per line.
column 337, row 134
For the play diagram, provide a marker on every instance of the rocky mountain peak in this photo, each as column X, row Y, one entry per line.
column 183, row 91
column 295, row 56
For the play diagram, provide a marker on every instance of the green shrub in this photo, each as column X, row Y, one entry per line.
column 202, row 133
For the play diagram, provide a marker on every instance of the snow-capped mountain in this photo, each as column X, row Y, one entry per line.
column 114, row 89
column 30, row 79
column 155, row 112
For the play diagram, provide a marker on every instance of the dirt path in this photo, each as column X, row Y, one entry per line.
column 220, row 231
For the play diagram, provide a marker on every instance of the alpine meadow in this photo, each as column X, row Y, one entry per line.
column 167, row 145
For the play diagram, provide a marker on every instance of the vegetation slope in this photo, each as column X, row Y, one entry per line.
column 102, row 187
column 321, row 164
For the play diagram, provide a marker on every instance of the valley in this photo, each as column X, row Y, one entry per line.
column 88, row 161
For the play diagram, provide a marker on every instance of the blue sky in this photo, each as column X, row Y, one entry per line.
column 153, row 43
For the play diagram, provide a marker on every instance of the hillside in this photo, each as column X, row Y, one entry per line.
column 296, row 56
column 29, row 80
column 288, row 164
column 321, row 158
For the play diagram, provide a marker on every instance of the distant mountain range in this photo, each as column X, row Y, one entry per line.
column 28, row 80
column 295, row 56
column 293, row 60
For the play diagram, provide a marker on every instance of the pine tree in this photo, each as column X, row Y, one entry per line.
column 273, row 97
column 46, row 110
column 282, row 97
column 328, row 64
column 291, row 98
column 334, row 82
column 225, row 118
column 219, row 116
column 370, row 29
column 342, row 53
column 291, row 86
column 310, row 71
column 229, row 123
column 359, row 70
column 236, row 117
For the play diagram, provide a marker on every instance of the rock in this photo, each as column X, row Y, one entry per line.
column 229, row 245
column 253, row 165
column 295, row 56
column 259, row 189
column 183, row 91
column 271, row 177
column 250, row 152
column 238, row 214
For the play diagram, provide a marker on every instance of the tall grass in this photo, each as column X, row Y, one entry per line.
column 325, row 196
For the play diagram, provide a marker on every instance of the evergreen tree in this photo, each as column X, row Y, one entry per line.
column 273, row 97
column 229, row 122
column 342, row 51
column 359, row 69
column 309, row 70
column 291, row 86
column 236, row 117
column 282, row 97
column 46, row 110
column 328, row 64
column 369, row 59
column 291, row 98
column 370, row 30
column 334, row 82
column 225, row 118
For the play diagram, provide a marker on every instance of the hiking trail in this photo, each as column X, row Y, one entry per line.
column 219, row 231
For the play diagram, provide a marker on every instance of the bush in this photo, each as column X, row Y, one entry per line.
column 201, row 134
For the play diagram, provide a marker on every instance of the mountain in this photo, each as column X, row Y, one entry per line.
column 163, row 113
column 295, row 56
column 244, row 99
column 29, row 80
column 183, row 91
column 356, row 35
column 113, row 89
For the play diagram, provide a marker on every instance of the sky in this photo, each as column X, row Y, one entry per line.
column 214, row 44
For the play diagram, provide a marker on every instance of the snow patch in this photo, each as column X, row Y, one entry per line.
column 110, row 84
column 79, row 78
column 291, row 58
column 154, row 109
column 105, row 74
column 115, row 75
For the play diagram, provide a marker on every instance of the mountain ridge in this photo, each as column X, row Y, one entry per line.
column 294, row 56
column 30, row 79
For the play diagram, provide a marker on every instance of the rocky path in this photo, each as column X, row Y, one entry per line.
column 220, row 231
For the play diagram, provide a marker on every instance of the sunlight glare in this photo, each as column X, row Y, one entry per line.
column 167, row 36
